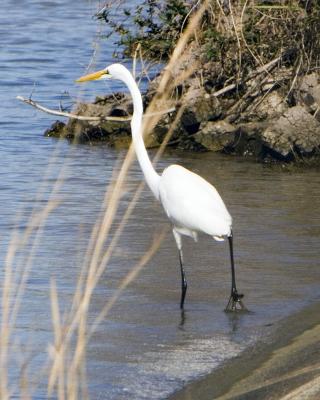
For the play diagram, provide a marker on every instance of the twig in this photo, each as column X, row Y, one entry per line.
column 85, row 118
column 225, row 89
column 266, row 67
column 134, row 62
column 237, row 36
column 257, row 58
column 188, row 15
column 263, row 68
column 295, row 78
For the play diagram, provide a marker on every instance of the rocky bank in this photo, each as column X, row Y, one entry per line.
column 260, row 116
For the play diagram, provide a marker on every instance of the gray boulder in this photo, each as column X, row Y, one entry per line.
column 295, row 130
column 215, row 135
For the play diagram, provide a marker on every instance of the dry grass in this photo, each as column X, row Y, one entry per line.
column 65, row 368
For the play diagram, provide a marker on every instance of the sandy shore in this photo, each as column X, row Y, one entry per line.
column 286, row 367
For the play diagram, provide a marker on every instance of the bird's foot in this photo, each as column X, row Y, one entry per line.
column 235, row 302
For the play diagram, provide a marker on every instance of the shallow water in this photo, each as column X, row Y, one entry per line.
column 145, row 349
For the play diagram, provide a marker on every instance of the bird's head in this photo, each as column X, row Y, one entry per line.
column 115, row 71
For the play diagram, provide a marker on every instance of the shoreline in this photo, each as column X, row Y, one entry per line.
column 286, row 366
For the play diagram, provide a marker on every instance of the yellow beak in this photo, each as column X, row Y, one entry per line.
column 92, row 77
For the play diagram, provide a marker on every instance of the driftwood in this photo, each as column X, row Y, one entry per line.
column 87, row 118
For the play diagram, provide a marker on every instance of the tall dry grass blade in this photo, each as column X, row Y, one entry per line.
column 130, row 277
column 115, row 239
column 36, row 226
column 96, row 231
column 170, row 78
column 5, row 319
column 24, row 382
column 57, row 376
column 180, row 47
column 110, row 211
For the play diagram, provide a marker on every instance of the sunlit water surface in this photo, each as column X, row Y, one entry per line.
column 145, row 348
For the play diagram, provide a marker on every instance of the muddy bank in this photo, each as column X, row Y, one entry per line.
column 285, row 367
column 264, row 123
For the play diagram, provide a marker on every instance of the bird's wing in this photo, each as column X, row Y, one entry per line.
column 192, row 202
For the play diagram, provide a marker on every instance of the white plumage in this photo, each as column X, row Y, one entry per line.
column 192, row 203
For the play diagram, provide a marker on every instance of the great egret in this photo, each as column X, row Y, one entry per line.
column 191, row 203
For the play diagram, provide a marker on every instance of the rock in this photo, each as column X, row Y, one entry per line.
column 201, row 107
column 57, row 130
column 295, row 131
column 272, row 106
column 309, row 93
column 96, row 131
column 215, row 135
column 248, row 141
column 161, row 129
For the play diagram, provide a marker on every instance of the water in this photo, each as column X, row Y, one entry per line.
column 145, row 349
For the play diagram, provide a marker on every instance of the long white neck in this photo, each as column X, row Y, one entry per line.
column 148, row 170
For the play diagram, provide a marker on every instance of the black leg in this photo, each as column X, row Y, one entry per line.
column 235, row 303
column 184, row 284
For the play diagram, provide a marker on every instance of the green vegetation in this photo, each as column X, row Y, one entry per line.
column 157, row 26
column 238, row 35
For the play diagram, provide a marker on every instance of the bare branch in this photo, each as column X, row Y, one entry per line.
column 86, row 118
column 70, row 115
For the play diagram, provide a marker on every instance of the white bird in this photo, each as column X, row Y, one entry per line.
column 191, row 203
